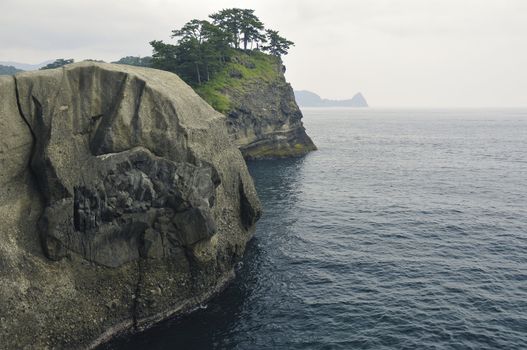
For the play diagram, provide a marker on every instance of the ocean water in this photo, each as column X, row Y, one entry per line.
column 406, row 230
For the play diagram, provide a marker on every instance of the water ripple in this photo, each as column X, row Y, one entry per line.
column 406, row 230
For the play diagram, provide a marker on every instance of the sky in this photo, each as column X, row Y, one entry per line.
column 398, row 53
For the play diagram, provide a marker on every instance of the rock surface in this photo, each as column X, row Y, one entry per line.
column 263, row 118
column 122, row 202
column 267, row 123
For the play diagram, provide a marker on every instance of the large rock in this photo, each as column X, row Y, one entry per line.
column 266, row 122
column 122, row 202
column 263, row 118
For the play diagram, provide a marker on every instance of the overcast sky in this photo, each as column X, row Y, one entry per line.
column 398, row 53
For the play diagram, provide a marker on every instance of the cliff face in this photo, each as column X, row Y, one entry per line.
column 122, row 202
column 263, row 117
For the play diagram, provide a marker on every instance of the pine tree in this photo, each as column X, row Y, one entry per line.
column 277, row 45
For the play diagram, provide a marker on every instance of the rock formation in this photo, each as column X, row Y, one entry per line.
column 262, row 115
column 122, row 202
column 267, row 122
column 310, row 99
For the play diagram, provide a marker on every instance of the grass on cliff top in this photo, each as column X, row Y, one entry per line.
column 242, row 71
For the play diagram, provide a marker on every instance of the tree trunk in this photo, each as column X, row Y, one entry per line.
column 199, row 76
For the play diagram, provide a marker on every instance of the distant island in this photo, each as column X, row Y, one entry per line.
column 306, row 98
column 8, row 70
column 25, row 66
column 11, row 67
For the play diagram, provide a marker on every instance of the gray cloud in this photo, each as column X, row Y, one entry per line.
column 397, row 52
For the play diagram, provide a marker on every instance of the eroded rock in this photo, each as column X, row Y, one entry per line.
column 265, row 121
column 123, row 196
column 118, row 181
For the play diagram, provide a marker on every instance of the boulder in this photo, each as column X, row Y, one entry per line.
column 116, row 181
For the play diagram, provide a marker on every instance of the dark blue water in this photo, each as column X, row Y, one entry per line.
column 406, row 230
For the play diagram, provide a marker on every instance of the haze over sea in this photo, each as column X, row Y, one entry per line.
column 406, row 230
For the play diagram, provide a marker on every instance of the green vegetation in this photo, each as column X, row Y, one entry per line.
column 58, row 63
column 136, row 61
column 206, row 50
column 244, row 69
column 239, row 25
column 9, row 70
column 277, row 46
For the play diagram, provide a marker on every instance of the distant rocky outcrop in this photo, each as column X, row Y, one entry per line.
column 25, row 66
column 122, row 202
column 262, row 115
column 8, row 70
column 310, row 99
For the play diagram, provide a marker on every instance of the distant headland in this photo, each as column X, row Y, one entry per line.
column 306, row 98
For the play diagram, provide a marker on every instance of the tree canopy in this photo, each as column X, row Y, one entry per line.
column 203, row 47
column 58, row 63
column 241, row 26
column 135, row 61
column 277, row 45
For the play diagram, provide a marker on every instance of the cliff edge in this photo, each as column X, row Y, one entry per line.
column 263, row 118
column 122, row 202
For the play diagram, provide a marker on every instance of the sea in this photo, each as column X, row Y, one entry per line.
column 407, row 229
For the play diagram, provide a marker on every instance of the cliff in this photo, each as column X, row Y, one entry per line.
column 122, row 202
column 262, row 116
